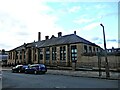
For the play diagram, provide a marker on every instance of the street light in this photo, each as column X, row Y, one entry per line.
column 106, row 60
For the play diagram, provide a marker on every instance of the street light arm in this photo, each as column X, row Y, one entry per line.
column 101, row 25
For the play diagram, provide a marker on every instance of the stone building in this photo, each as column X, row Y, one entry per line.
column 54, row 51
column 3, row 57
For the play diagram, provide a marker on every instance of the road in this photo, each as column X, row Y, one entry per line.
column 21, row 80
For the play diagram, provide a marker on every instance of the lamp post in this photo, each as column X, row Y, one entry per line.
column 106, row 60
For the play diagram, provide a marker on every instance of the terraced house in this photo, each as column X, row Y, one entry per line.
column 54, row 51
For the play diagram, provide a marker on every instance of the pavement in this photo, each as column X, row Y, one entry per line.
column 79, row 73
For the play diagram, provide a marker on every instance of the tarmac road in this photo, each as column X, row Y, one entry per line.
column 21, row 80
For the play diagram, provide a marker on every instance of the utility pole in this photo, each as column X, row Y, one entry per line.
column 105, row 52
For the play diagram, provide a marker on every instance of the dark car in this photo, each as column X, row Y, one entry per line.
column 24, row 68
column 19, row 68
column 36, row 69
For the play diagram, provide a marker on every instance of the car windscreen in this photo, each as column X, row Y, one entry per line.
column 42, row 65
column 18, row 66
column 25, row 67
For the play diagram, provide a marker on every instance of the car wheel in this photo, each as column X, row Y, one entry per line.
column 42, row 72
column 35, row 72
column 19, row 71
column 12, row 71
column 25, row 72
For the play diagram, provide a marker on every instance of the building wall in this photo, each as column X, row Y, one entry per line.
column 33, row 55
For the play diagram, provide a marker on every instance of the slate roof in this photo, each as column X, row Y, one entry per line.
column 62, row 40
column 23, row 46
column 67, row 39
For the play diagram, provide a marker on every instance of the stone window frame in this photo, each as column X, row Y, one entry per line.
column 62, row 53
column 41, row 53
column 35, row 55
column 47, row 53
column 85, row 49
column 90, row 48
column 54, row 53
column 20, row 52
column 17, row 54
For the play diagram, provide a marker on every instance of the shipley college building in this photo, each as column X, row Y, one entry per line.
column 56, row 51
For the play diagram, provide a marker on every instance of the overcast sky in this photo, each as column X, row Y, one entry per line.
column 21, row 20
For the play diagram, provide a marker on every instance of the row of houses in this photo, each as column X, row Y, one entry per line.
column 56, row 51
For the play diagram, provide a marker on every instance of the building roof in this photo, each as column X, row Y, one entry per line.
column 62, row 40
column 23, row 46
column 67, row 39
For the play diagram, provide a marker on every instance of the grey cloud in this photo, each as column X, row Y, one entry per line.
column 96, row 39
column 111, row 40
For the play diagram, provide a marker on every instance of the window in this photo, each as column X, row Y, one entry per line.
column 9, row 55
column 54, row 53
column 24, row 54
column 35, row 54
column 97, row 49
column 41, row 54
column 47, row 53
column 85, row 49
column 17, row 54
column 73, row 53
column 93, row 49
column 20, row 54
column 90, row 49
column 63, row 53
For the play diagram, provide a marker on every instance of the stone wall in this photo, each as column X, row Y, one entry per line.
column 92, row 61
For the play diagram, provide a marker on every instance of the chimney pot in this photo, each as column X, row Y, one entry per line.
column 59, row 34
column 46, row 37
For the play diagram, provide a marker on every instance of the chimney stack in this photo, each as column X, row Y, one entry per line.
column 39, row 36
column 75, row 32
column 59, row 34
column 46, row 37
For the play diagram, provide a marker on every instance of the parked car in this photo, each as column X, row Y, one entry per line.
column 23, row 68
column 19, row 68
column 36, row 69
